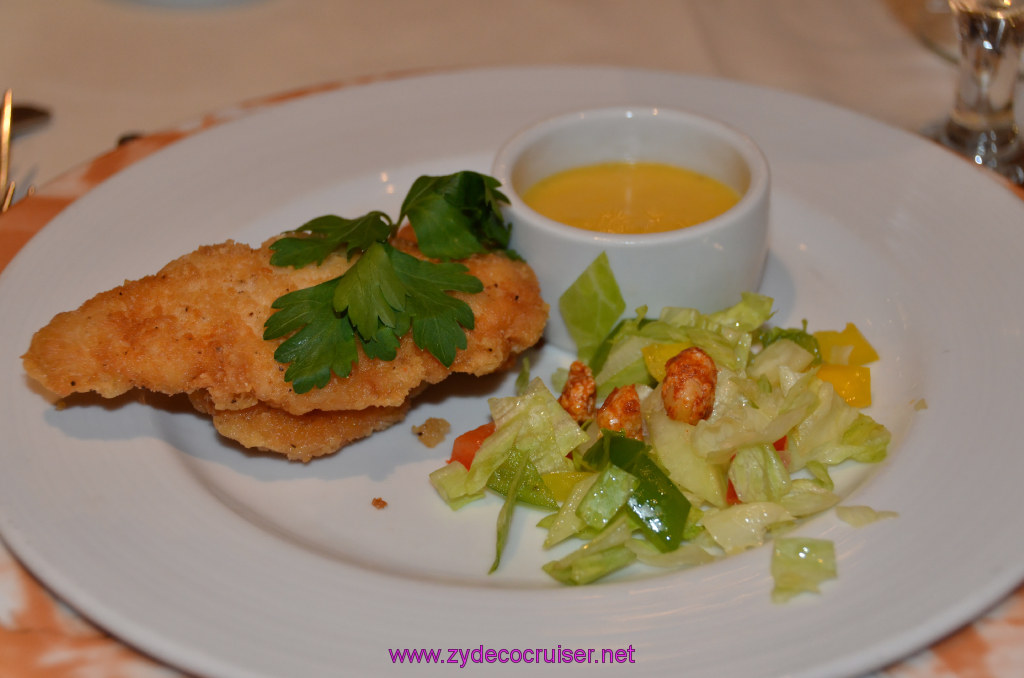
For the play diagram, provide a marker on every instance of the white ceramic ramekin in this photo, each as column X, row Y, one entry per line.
column 706, row 266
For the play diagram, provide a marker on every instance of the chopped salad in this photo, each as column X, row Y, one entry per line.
column 716, row 432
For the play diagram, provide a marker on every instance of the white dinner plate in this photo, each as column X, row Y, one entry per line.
column 226, row 563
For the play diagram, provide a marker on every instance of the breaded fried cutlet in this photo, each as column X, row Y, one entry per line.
column 197, row 325
column 300, row 437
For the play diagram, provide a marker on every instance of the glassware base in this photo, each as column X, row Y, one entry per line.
column 981, row 149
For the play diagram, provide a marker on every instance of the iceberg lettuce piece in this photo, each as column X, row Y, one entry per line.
column 624, row 364
column 687, row 555
column 598, row 558
column 752, row 311
column 746, row 315
column 591, row 306
column 678, row 317
column 801, row 564
column 869, row 437
column 836, row 431
column 859, row 516
column 583, row 567
column 450, row 483
column 728, row 348
column 767, row 336
column 820, row 473
column 535, row 424
column 808, row 497
column 744, row 526
column 819, row 431
column 738, row 421
column 542, row 429
column 565, row 522
column 757, row 474
column 518, row 463
column 624, row 328
column 780, row 353
column 610, row 493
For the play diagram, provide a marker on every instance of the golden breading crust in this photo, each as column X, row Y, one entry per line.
column 197, row 326
column 300, row 437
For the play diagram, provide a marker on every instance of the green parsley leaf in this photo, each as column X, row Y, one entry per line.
column 384, row 345
column 386, row 288
column 322, row 341
column 386, row 293
column 437, row 318
column 327, row 234
column 371, row 292
column 457, row 215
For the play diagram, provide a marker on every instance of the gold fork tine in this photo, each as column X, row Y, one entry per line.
column 8, row 198
column 5, row 142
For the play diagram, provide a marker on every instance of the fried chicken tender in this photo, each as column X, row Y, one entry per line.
column 196, row 327
column 300, row 437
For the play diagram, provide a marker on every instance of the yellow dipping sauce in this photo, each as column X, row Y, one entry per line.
column 630, row 197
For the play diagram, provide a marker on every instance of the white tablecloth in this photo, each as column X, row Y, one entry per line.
column 110, row 67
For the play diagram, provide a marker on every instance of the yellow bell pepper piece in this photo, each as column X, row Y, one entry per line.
column 848, row 347
column 656, row 355
column 561, row 482
column 851, row 382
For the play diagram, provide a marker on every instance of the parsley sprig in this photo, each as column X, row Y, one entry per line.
column 386, row 293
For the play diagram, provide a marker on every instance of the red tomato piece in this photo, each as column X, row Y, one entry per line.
column 731, row 498
column 465, row 446
column 781, row 448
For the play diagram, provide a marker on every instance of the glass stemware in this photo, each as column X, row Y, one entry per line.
column 981, row 124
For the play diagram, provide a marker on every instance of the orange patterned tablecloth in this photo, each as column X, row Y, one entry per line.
column 42, row 638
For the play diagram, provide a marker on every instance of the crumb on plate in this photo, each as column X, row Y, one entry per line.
column 432, row 431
